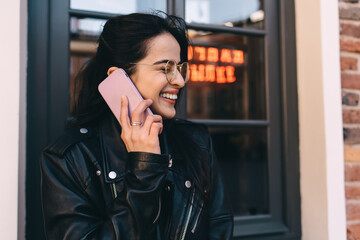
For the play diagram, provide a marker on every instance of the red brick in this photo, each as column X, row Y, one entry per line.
column 352, row 12
column 353, row 232
column 351, row 154
column 350, row 29
column 349, row 98
column 348, row 63
column 351, row 81
column 353, row 211
column 350, row 45
column 352, row 172
column 352, row 191
column 351, row 116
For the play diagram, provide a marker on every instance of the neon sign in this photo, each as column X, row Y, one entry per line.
column 213, row 64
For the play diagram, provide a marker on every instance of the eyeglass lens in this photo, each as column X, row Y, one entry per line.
column 172, row 67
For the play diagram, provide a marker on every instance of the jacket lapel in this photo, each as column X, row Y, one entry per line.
column 113, row 150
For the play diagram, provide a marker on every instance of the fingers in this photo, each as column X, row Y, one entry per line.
column 153, row 125
column 138, row 114
column 156, row 129
column 142, row 137
column 124, row 113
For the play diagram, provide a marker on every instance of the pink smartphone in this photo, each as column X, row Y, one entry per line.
column 118, row 84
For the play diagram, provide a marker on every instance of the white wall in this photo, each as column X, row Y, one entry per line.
column 320, row 120
column 13, row 27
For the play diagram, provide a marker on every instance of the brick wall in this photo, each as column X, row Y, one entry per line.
column 349, row 11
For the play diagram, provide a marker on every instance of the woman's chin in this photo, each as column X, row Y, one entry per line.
column 166, row 114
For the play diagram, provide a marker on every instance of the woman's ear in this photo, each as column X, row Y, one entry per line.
column 110, row 70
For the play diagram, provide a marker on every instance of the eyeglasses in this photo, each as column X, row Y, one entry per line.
column 171, row 68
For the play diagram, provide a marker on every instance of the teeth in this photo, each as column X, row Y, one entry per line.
column 169, row 96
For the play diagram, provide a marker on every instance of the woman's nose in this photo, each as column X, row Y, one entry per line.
column 178, row 80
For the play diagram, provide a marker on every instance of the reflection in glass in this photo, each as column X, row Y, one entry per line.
column 242, row 155
column 84, row 33
column 119, row 6
column 86, row 28
column 232, row 13
column 227, row 79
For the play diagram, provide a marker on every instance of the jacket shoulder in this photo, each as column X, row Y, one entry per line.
column 69, row 138
column 196, row 131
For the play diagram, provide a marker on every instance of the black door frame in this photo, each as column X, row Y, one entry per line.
column 47, row 84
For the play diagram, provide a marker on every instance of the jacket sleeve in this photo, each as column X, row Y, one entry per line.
column 220, row 214
column 70, row 212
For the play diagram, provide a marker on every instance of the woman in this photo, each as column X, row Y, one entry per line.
column 156, row 179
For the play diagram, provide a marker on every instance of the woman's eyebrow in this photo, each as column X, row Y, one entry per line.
column 161, row 61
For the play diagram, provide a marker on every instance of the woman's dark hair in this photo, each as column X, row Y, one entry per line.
column 123, row 41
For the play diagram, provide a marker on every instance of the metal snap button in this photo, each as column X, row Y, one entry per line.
column 167, row 188
column 112, row 175
column 98, row 172
column 83, row 130
column 187, row 184
column 170, row 162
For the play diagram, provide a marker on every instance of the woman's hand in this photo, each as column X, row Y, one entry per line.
column 144, row 137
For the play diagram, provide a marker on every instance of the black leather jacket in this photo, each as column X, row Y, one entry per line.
column 92, row 188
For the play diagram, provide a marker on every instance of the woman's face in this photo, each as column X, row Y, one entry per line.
column 151, row 80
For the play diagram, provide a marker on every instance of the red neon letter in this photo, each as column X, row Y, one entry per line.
column 190, row 53
column 230, row 74
column 202, row 53
column 220, row 74
column 201, row 73
column 210, row 73
column 225, row 55
column 194, row 73
column 213, row 54
column 238, row 56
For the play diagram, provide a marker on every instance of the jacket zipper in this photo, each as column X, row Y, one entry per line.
column 182, row 236
column 169, row 198
column 197, row 218
column 114, row 190
column 158, row 214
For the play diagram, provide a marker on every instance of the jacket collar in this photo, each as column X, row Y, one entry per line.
column 113, row 149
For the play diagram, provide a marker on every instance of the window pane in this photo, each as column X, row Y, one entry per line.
column 227, row 77
column 119, row 6
column 242, row 155
column 84, row 33
column 86, row 28
column 232, row 13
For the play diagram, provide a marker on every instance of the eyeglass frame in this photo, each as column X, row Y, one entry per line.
column 178, row 69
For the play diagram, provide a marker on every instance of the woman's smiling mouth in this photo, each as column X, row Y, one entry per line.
column 170, row 96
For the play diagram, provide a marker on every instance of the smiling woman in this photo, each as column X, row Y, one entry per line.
column 156, row 179
column 161, row 91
